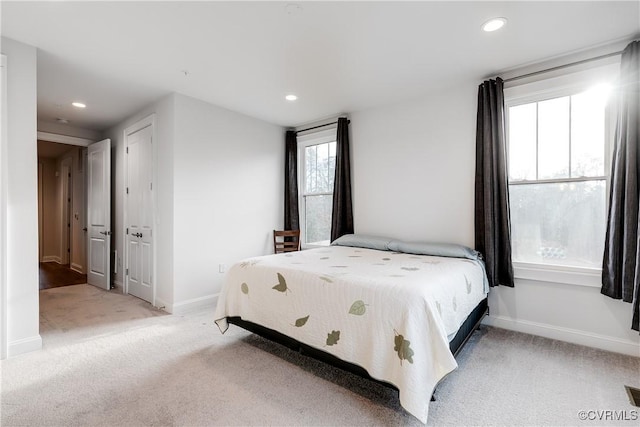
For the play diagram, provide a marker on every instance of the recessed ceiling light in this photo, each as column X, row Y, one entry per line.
column 494, row 24
column 78, row 104
column 291, row 97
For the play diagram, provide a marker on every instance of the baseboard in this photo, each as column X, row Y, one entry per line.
column 51, row 258
column 24, row 345
column 195, row 303
column 77, row 267
column 574, row 336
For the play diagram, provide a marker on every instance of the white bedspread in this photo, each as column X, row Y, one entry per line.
column 390, row 313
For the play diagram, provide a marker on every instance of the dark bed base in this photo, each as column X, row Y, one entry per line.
column 464, row 333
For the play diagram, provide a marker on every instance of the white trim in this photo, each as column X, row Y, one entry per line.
column 76, row 267
column 40, row 210
column 52, row 258
column 590, row 277
column 194, row 303
column 315, row 137
column 3, row 207
column 25, row 345
column 150, row 120
column 566, row 82
column 574, row 336
column 64, row 139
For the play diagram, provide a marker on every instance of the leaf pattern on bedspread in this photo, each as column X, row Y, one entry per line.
column 375, row 299
column 301, row 321
column 402, row 347
column 282, row 284
column 250, row 263
column 358, row 308
column 333, row 337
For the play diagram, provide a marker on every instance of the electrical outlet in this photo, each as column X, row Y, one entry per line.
column 222, row 268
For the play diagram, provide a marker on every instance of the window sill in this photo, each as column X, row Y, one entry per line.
column 323, row 244
column 590, row 277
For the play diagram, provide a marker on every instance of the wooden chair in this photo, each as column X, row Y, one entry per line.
column 286, row 241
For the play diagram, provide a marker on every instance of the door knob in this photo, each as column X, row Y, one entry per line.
column 137, row 234
column 106, row 233
column 84, row 228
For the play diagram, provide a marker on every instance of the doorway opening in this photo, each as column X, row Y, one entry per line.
column 61, row 214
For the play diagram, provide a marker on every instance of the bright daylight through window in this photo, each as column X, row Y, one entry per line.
column 319, row 162
column 557, row 150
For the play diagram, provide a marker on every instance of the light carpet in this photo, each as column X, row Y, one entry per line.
column 112, row 359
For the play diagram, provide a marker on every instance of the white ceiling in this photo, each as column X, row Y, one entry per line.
column 245, row 56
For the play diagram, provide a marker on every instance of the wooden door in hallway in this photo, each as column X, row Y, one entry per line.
column 139, row 214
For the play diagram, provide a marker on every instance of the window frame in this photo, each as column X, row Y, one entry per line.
column 324, row 136
column 567, row 84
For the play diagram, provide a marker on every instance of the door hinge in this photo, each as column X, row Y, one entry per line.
column 151, row 186
column 127, row 231
column 127, row 190
column 126, row 272
column 69, row 175
column 127, row 150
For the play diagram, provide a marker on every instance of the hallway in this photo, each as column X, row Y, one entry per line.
column 54, row 275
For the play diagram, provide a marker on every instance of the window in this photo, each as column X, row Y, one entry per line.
column 558, row 152
column 317, row 158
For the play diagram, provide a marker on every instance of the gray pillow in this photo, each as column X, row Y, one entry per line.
column 436, row 249
column 362, row 241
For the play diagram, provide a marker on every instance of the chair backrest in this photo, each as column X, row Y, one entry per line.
column 286, row 241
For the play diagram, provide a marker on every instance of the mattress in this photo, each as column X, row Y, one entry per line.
column 391, row 313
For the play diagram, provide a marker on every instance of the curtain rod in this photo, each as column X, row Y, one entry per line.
column 320, row 126
column 559, row 67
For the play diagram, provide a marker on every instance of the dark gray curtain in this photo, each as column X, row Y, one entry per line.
column 492, row 220
column 342, row 213
column 621, row 262
column 291, row 215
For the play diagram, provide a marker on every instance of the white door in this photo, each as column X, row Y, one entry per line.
column 139, row 215
column 99, row 214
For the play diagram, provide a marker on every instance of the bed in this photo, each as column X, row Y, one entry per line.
column 392, row 311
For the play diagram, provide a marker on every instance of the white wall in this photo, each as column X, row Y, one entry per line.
column 78, row 211
column 413, row 178
column 163, row 188
column 228, row 194
column 49, row 210
column 413, row 168
column 219, row 194
column 22, row 204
